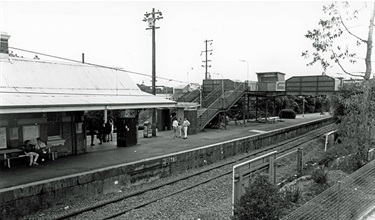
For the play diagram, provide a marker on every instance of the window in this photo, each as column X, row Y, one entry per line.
column 54, row 125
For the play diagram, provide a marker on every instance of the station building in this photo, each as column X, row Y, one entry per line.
column 49, row 99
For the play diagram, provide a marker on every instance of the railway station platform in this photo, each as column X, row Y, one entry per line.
column 107, row 168
column 108, row 154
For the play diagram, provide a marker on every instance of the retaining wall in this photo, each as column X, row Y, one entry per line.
column 23, row 200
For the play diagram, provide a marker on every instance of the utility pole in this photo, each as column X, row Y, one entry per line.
column 207, row 60
column 151, row 19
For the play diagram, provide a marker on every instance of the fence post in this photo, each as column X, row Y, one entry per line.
column 370, row 154
column 299, row 161
column 338, row 200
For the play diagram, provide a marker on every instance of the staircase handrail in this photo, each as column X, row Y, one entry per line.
column 207, row 117
column 209, row 99
column 236, row 93
column 189, row 97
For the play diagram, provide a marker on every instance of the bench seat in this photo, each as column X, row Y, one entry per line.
column 8, row 159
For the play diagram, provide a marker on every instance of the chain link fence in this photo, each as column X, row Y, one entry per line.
column 349, row 198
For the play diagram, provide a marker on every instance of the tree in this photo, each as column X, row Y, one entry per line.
column 331, row 45
column 262, row 200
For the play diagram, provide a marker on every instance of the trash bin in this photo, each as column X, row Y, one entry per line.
column 147, row 131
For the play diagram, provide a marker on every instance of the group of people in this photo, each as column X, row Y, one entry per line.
column 179, row 127
column 35, row 151
column 104, row 134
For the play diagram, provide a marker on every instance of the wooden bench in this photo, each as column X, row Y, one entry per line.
column 11, row 153
column 52, row 154
column 8, row 159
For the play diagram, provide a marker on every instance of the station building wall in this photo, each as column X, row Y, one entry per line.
column 72, row 130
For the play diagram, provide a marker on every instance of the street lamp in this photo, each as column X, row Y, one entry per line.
column 303, row 105
column 187, row 74
column 247, row 68
column 166, row 88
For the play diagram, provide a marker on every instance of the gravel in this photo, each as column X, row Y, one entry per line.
column 212, row 200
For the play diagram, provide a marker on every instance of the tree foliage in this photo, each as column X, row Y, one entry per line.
column 331, row 46
column 330, row 49
column 348, row 107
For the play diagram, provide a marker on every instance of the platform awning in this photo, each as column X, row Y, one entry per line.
column 48, row 86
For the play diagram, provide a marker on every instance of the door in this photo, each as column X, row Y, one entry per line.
column 127, row 132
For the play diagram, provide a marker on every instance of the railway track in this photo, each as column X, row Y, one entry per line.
column 283, row 148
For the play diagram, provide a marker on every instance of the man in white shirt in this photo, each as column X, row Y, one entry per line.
column 175, row 128
column 185, row 126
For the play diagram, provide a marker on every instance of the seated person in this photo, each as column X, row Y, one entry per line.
column 41, row 149
column 30, row 151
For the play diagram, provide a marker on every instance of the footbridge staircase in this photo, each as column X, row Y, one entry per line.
column 218, row 101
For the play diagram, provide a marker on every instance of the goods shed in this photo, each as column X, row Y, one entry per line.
column 312, row 85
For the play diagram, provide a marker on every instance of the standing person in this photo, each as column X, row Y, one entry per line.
column 185, row 126
column 179, row 128
column 111, row 134
column 92, row 132
column 29, row 150
column 175, row 128
column 107, row 131
column 100, row 134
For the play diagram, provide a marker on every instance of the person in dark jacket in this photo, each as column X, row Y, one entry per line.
column 100, row 134
column 107, row 130
column 91, row 129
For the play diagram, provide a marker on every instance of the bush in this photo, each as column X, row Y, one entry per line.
column 350, row 163
column 292, row 194
column 319, row 176
column 262, row 200
column 328, row 157
column 287, row 113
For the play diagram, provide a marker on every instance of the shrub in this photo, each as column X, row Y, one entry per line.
column 292, row 194
column 287, row 113
column 262, row 200
column 329, row 156
column 319, row 176
column 350, row 163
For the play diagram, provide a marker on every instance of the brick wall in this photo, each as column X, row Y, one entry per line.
column 191, row 116
column 69, row 120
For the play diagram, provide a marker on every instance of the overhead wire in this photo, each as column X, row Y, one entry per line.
column 97, row 65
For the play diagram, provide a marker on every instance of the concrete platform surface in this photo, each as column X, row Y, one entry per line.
column 108, row 154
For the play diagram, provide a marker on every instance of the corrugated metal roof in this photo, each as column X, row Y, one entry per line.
column 28, row 85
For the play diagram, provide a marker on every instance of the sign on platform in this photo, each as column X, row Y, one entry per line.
column 243, row 172
column 329, row 139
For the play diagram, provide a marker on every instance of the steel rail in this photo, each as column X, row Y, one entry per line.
column 320, row 132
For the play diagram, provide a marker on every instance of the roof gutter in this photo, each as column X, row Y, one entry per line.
column 35, row 109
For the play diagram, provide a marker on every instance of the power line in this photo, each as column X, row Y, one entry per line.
column 93, row 64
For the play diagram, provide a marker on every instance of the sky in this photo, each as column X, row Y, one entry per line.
column 269, row 35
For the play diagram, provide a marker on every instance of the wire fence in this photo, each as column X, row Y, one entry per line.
column 349, row 198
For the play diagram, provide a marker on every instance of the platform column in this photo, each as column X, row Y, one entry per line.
column 256, row 108
column 105, row 115
column 243, row 110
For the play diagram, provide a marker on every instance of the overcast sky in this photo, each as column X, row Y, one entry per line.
column 268, row 34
